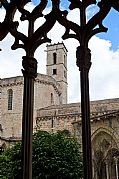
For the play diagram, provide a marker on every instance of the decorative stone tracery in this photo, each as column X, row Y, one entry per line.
column 105, row 155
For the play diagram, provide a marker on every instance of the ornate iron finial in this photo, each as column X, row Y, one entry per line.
column 35, row 38
column 86, row 30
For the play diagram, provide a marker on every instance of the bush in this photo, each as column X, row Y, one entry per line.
column 54, row 156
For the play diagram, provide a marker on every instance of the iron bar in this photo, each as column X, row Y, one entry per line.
column 86, row 128
column 27, row 127
column 83, row 56
column 29, row 73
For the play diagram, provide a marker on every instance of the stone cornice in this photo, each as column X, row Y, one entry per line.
column 94, row 116
column 12, row 84
column 59, row 43
column 65, row 116
column 13, row 81
column 105, row 115
column 101, row 116
column 43, row 79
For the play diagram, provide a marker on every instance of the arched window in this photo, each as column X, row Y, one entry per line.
column 54, row 58
column 10, row 99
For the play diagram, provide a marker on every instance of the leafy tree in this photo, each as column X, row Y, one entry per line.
column 54, row 156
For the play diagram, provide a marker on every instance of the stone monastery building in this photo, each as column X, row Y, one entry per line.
column 52, row 113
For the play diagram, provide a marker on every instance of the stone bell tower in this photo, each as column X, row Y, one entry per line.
column 57, row 66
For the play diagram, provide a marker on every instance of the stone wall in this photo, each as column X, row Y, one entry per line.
column 68, row 116
column 11, row 120
column 104, row 131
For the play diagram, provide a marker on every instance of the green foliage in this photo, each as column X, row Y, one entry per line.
column 10, row 163
column 54, row 156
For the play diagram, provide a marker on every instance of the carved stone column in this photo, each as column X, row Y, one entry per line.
column 96, row 175
column 107, row 170
column 29, row 73
column 116, row 165
column 93, row 169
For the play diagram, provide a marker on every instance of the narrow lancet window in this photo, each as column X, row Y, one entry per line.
column 10, row 99
column 52, row 123
column 52, row 99
column 54, row 58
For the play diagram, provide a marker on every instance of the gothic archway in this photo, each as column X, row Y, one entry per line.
column 105, row 155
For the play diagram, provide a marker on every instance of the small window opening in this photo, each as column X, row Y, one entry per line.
column 54, row 71
column 1, row 129
column 64, row 60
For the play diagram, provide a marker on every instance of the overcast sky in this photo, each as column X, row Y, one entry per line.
column 104, row 72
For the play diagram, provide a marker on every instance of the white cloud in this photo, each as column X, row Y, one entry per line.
column 104, row 72
column 104, row 81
